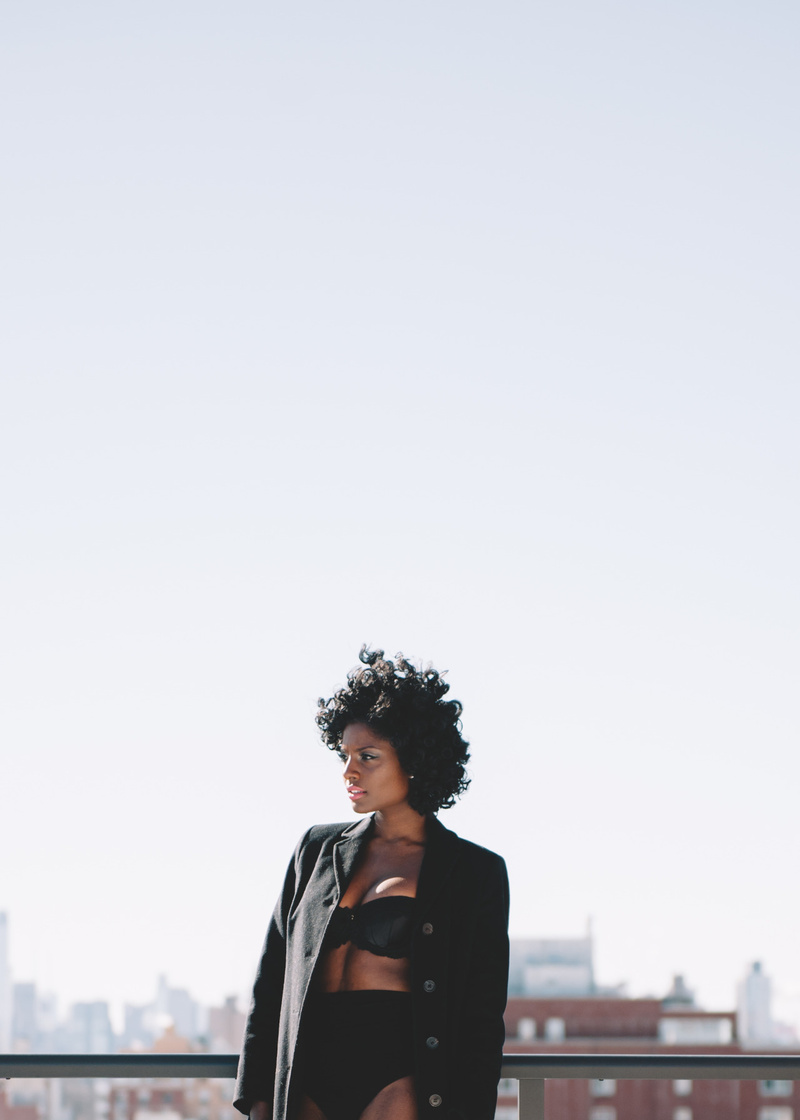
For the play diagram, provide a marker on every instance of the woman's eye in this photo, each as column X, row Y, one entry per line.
column 341, row 756
column 365, row 757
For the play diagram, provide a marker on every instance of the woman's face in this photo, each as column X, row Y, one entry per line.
column 374, row 778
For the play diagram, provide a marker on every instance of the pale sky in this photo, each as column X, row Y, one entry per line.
column 467, row 330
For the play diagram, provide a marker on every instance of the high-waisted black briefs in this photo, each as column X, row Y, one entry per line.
column 353, row 1045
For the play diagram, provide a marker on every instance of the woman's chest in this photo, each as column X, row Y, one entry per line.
column 383, row 872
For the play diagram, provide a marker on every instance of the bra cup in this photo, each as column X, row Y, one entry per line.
column 382, row 926
column 385, row 932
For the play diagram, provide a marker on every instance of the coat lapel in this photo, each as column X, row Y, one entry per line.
column 346, row 852
column 441, row 852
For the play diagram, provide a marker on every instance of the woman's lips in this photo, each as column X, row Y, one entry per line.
column 353, row 792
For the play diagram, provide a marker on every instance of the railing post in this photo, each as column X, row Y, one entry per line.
column 531, row 1098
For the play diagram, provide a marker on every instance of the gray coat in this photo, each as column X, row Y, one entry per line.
column 459, row 971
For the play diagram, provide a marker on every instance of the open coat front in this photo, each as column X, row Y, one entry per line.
column 459, row 972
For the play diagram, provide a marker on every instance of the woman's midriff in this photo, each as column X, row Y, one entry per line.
column 350, row 969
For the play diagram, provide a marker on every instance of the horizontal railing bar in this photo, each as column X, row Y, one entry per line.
column 645, row 1067
column 118, row 1065
column 652, row 1067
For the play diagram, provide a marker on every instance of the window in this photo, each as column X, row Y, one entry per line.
column 776, row 1112
column 555, row 1030
column 507, row 1087
column 602, row 1112
column 775, row 1088
column 605, row 1087
column 682, row 1088
column 695, row 1030
column 682, row 1113
column 526, row 1029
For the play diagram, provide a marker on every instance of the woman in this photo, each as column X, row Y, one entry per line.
column 382, row 983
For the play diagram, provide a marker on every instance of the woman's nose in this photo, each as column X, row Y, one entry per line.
column 350, row 770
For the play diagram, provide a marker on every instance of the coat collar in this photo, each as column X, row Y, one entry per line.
column 441, row 852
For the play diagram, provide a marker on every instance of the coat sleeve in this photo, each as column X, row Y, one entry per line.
column 483, row 1031
column 255, row 1079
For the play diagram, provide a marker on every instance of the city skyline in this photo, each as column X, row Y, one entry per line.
column 39, row 1020
column 563, row 966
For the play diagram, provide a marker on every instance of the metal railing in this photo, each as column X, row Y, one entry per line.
column 530, row 1070
column 118, row 1065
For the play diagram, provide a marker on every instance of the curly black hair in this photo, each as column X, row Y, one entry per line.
column 404, row 705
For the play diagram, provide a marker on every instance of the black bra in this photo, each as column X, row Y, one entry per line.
column 382, row 926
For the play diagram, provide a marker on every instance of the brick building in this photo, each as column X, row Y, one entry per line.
column 178, row 1098
column 617, row 1025
column 11, row 1111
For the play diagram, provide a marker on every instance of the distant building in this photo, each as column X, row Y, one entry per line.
column 755, row 1006
column 551, row 967
column 146, row 1022
column 618, row 1025
column 191, row 1098
column 226, row 1027
column 679, row 995
column 174, row 1099
column 12, row 1111
column 170, row 1042
column 561, row 966
column 25, row 1030
column 176, row 1005
column 139, row 1031
column 47, row 1020
column 90, row 1030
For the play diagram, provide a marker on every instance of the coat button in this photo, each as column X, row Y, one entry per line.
column 429, row 986
column 427, row 929
column 434, row 1100
column 431, row 1042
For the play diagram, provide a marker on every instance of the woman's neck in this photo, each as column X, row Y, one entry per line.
column 399, row 823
